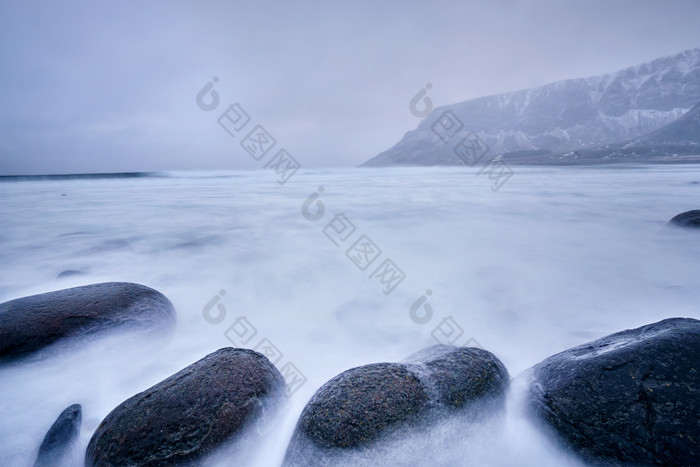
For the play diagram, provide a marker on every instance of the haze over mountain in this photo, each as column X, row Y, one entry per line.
column 575, row 114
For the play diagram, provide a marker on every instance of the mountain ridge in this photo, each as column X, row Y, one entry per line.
column 677, row 142
column 565, row 115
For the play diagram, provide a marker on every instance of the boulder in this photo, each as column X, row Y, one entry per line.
column 460, row 376
column 629, row 398
column 30, row 324
column 689, row 219
column 355, row 407
column 60, row 437
column 364, row 405
column 184, row 418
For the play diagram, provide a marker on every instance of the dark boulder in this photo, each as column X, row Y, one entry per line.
column 460, row 376
column 356, row 406
column 187, row 416
column 30, row 324
column 60, row 437
column 363, row 405
column 690, row 219
column 629, row 398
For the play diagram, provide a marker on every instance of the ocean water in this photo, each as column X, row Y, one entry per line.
column 340, row 268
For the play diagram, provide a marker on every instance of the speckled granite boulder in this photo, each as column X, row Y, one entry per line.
column 362, row 405
column 187, row 416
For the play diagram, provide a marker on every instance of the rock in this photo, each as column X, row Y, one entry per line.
column 60, row 437
column 30, row 324
column 185, row 417
column 629, row 398
column 462, row 375
column 362, row 405
column 690, row 219
column 69, row 273
column 356, row 406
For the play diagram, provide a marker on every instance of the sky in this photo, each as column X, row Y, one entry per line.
column 111, row 86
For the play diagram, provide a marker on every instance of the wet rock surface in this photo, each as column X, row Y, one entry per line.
column 365, row 404
column 187, row 416
column 688, row 219
column 357, row 405
column 60, row 437
column 29, row 324
column 631, row 398
column 462, row 375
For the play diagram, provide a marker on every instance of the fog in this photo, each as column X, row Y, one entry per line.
column 555, row 258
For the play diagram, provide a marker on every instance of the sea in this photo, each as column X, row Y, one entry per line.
column 332, row 269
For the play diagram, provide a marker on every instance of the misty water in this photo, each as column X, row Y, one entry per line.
column 555, row 258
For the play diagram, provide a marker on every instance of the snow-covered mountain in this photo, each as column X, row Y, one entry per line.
column 678, row 142
column 558, row 117
column 685, row 130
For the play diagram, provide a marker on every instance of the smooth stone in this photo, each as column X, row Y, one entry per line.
column 359, row 404
column 463, row 375
column 60, row 437
column 688, row 219
column 630, row 398
column 369, row 404
column 210, row 404
column 30, row 324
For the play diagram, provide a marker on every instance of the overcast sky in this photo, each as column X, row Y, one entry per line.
column 98, row 86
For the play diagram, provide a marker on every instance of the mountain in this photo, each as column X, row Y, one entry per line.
column 575, row 114
column 677, row 142
column 685, row 130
